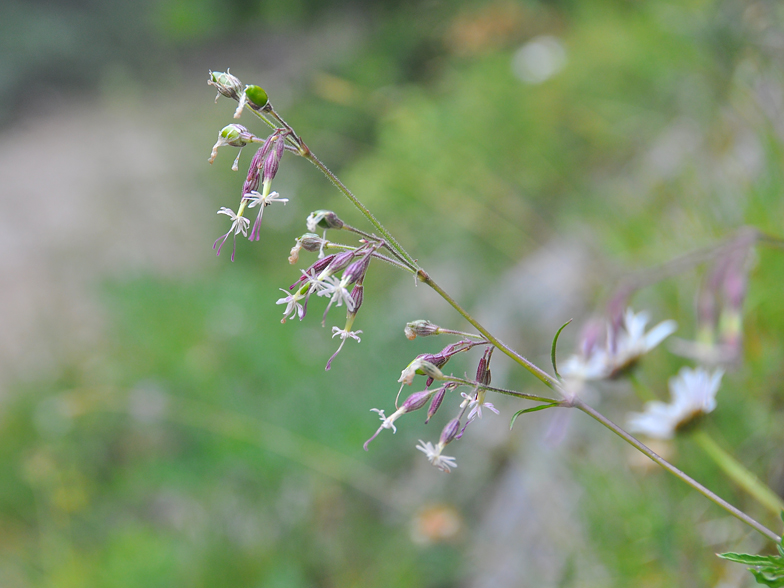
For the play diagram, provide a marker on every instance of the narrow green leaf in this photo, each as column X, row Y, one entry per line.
column 552, row 351
column 750, row 560
column 532, row 409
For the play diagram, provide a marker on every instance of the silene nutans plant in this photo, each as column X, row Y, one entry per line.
column 340, row 256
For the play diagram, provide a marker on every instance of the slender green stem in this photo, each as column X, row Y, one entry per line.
column 539, row 373
column 347, row 227
column 515, row 393
column 362, row 208
column 738, row 473
column 577, row 403
column 442, row 331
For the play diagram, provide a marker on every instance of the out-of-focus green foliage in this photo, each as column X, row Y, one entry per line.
column 204, row 445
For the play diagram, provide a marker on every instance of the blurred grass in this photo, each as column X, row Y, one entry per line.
column 203, row 444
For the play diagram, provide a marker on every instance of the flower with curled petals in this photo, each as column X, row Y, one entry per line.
column 445, row 463
column 293, row 305
column 343, row 334
column 239, row 224
column 476, row 403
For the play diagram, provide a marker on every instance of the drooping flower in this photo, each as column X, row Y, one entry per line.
column 414, row 402
column 693, row 394
column 445, row 463
column 476, row 403
column 343, row 334
column 239, row 224
column 256, row 199
column 293, row 304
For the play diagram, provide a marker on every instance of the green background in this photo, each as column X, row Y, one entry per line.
column 188, row 438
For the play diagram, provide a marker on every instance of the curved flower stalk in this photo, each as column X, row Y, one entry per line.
column 607, row 355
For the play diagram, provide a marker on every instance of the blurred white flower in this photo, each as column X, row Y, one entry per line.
column 621, row 348
column 539, row 59
column 693, row 394
column 433, row 453
column 632, row 342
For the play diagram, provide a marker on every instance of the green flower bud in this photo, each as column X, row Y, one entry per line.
column 257, row 96
column 235, row 135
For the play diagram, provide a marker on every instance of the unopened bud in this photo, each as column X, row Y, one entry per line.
column 483, row 369
column 272, row 162
column 416, row 401
column 340, row 261
column 438, row 398
column 311, row 242
column 356, row 271
column 325, row 219
column 357, row 297
column 254, row 170
column 227, row 84
column 257, row 97
column 450, row 431
column 420, row 328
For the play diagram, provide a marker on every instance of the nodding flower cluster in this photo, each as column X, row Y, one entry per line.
column 321, row 278
column 608, row 348
column 338, row 276
column 429, row 365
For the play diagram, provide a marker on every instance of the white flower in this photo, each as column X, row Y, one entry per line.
column 578, row 367
column 621, row 348
column 387, row 422
column 444, row 463
column 337, row 290
column 239, row 224
column 693, row 394
column 632, row 342
column 256, row 199
column 344, row 334
column 476, row 403
column 293, row 306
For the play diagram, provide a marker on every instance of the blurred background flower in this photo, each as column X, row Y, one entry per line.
column 159, row 426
